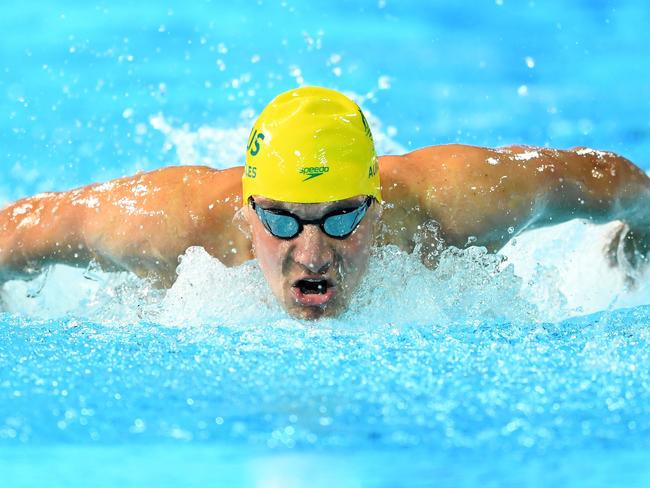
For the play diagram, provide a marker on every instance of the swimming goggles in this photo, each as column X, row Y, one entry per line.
column 338, row 224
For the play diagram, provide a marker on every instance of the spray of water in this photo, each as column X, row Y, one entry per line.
column 541, row 276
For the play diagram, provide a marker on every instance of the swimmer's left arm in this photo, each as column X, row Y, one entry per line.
column 487, row 196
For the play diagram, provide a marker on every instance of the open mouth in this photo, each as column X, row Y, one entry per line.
column 311, row 286
column 312, row 291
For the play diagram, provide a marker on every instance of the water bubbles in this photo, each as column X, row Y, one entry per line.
column 384, row 82
column 530, row 62
column 522, row 91
column 139, row 426
column 333, row 60
column 311, row 42
column 296, row 73
column 471, row 277
column 216, row 147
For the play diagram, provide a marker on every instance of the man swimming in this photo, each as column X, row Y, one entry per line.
column 313, row 198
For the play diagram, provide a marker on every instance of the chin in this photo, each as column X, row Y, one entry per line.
column 313, row 313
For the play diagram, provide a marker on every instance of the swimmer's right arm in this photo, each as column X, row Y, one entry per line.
column 141, row 224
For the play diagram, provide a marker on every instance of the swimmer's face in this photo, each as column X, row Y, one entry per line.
column 313, row 275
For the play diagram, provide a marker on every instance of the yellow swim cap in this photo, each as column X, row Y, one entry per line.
column 311, row 145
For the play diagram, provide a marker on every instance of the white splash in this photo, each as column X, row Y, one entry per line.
column 556, row 272
column 384, row 82
column 108, row 186
column 223, row 148
column 526, row 156
column 211, row 146
column 571, row 259
column 543, row 167
column 140, row 190
column 30, row 220
column 544, row 275
column 89, row 201
column 40, row 196
column 21, row 209
column 593, row 152
column 129, row 204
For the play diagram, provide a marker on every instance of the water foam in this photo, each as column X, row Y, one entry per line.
column 544, row 275
column 547, row 275
column 222, row 148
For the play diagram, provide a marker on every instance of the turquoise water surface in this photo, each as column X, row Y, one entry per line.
column 529, row 369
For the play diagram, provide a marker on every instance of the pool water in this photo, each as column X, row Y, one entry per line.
column 524, row 369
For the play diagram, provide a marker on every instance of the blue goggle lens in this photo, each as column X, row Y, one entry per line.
column 338, row 224
column 279, row 225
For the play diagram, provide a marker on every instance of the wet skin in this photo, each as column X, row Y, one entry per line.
column 314, row 256
column 487, row 196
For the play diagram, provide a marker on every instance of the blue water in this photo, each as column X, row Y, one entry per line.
column 479, row 373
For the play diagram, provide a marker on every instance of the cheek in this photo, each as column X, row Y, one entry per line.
column 357, row 248
column 267, row 250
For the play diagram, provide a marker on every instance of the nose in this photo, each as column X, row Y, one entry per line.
column 312, row 250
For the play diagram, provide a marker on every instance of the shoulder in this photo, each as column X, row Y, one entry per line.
column 433, row 164
column 189, row 174
column 189, row 179
column 435, row 156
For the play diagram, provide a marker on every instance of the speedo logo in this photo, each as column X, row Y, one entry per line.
column 313, row 171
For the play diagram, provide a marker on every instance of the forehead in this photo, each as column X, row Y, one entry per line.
column 309, row 209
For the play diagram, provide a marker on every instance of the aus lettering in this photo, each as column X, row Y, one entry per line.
column 253, row 146
column 373, row 170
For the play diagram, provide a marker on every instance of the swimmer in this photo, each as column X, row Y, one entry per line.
column 313, row 198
